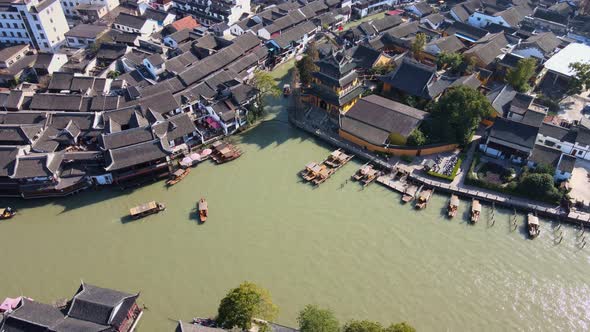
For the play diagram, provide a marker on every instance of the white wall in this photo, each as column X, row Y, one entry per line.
column 480, row 20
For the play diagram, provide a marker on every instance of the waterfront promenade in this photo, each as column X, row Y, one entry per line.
column 456, row 187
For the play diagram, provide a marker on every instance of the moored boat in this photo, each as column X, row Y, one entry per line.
column 453, row 206
column 423, row 199
column 311, row 171
column 7, row 213
column 409, row 193
column 362, row 172
column 475, row 211
column 337, row 159
column 224, row 152
column 533, row 225
column 146, row 209
column 203, row 209
column 177, row 176
column 323, row 175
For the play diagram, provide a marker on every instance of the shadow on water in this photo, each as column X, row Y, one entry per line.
column 70, row 203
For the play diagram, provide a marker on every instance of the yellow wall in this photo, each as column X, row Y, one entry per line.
column 382, row 60
column 397, row 152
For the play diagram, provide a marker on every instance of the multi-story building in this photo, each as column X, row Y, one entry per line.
column 336, row 86
column 39, row 23
column 209, row 12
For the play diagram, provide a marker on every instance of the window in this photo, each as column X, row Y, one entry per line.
column 580, row 153
column 71, row 40
column 42, row 36
column 38, row 26
column 51, row 20
column 20, row 34
column 4, row 33
column 45, row 45
column 14, row 25
column 1, row 25
column 10, row 16
column 3, row 16
column 35, row 18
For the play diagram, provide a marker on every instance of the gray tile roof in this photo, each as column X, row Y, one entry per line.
column 135, row 154
column 557, row 132
column 33, row 316
column 513, row 132
column 56, row 102
column 89, row 31
column 60, row 81
column 7, row 159
column 175, row 127
column 374, row 118
column 37, row 165
column 126, row 137
column 95, row 304
column 129, row 20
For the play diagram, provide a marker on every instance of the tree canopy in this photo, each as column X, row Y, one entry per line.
column 538, row 186
column 519, row 77
column 580, row 81
column 451, row 60
column 243, row 303
column 315, row 319
column 457, row 114
column 416, row 138
column 306, row 67
column 400, row 327
column 418, row 44
column 266, row 86
column 362, row 326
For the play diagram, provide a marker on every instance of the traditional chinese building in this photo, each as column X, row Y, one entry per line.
column 336, row 86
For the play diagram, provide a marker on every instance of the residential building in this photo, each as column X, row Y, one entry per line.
column 39, row 23
column 14, row 62
column 212, row 12
column 83, row 35
column 556, row 73
column 548, row 20
column 485, row 51
column 554, row 158
column 510, row 17
column 336, row 87
column 48, row 63
column 508, row 139
column 540, row 46
column 135, row 24
column 362, row 8
column 433, row 21
column 420, row 9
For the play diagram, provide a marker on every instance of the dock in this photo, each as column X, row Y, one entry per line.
column 319, row 173
column 522, row 204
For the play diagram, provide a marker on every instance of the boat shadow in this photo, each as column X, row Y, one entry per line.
column 126, row 219
column 193, row 215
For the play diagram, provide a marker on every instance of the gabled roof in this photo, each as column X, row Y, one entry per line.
column 135, row 154
column 549, row 15
column 175, row 127
column 37, row 165
column 488, row 48
column 505, row 130
column 557, row 132
column 136, row 22
column 411, row 77
column 294, row 34
column 33, row 316
column 447, row 44
column 60, row 81
column 126, row 137
column 465, row 9
column 511, row 15
column 7, row 159
column 155, row 14
column 96, row 304
column 423, row 7
column 466, row 31
column 374, row 118
column 56, row 102
column 187, row 22
column 547, row 42
column 86, row 31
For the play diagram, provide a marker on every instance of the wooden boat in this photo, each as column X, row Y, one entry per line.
column 224, row 152
column 7, row 213
column 177, row 176
column 146, row 209
column 362, row 172
column 337, row 159
column 533, row 225
column 475, row 210
column 203, row 209
column 409, row 193
column 371, row 175
column 423, row 199
column 453, row 206
column 322, row 175
column 311, row 171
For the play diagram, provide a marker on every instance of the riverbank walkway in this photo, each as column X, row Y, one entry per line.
column 456, row 187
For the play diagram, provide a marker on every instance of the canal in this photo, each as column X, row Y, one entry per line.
column 359, row 252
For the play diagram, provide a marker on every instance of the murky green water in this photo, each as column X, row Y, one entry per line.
column 359, row 252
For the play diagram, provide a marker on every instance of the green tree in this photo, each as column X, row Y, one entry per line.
column 242, row 304
column 538, row 186
column 580, row 81
column 306, row 67
column 456, row 115
column 362, row 326
column 519, row 77
column 418, row 44
column 113, row 74
column 469, row 64
column 314, row 319
column 416, row 138
column 449, row 60
column 266, row 86
column 400, row 327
